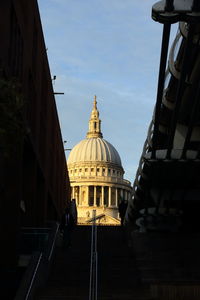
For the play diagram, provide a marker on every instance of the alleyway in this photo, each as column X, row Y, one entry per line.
column 117, row 275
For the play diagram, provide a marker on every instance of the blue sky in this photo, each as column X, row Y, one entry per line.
column 108, row 48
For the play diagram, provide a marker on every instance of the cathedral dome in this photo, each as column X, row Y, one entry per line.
column 96, row 176
column 94, row 149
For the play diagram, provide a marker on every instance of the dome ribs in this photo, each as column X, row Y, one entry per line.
column 94, row 149
column 86, row 150
column 99, row 150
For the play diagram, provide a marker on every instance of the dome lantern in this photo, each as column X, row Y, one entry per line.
column 94, row 122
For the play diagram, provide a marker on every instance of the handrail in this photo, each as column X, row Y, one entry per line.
column 35, row 228
column 94, row 262
column 53, row 243
column 25, row 289
column 33, row 277
column 37, row 270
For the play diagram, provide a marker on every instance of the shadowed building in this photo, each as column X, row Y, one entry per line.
column 96, row 176
column 163, row 214
column 33, row 176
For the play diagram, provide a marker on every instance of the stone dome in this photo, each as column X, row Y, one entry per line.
column 96, row 176
column 94, row 149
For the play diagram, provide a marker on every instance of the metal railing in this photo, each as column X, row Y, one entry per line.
column 37, row 271
column 33, row 239
column 52, row 241
column 94, row 261
column 34, row 276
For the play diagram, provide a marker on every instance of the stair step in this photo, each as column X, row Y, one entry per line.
column 117, row 272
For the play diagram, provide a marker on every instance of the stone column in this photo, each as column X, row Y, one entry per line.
column 76, row 194
column 87, row 195
column 73, row 192
column 95, row 196
column 116, row 199
column 80, row 195
column 102, row 195
column 109, row 196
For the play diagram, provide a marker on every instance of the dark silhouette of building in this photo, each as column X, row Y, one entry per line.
column 34, row 184
column 163, row 216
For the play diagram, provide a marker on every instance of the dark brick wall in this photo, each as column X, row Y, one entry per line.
column 38, row 175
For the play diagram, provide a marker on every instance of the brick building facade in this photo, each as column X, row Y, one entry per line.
column 34, row 179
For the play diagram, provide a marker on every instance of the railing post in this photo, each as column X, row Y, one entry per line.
column 93, row 262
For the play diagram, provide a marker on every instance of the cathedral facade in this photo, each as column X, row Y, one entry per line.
column 96, row 176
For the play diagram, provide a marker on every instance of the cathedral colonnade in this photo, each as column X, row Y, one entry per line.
column 99, row 195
